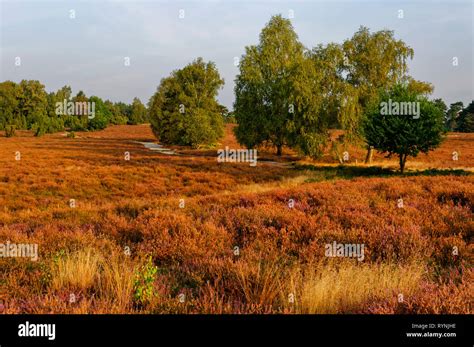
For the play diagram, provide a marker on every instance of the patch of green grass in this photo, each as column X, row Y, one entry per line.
column 440, row 172
column 324, row 173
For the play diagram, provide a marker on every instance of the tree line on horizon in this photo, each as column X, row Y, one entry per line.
column 28, row 106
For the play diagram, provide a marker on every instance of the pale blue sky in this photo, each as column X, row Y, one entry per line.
column 88, row 52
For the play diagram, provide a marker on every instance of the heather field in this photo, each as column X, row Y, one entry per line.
column 185, row 234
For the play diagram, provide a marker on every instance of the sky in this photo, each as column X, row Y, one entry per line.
column 88, row 44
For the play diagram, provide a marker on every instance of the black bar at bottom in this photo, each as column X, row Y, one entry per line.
column 295, row 330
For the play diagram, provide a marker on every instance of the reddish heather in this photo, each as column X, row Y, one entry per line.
column 228, row 237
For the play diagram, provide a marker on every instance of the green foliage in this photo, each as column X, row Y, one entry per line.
column 441, row 105
column 277, row 99
column 452, row 115
column 116, row 116
column 26, row 105
column 143, row 290
column 374, row 62
column 184, row 110
column 330, row 86
column 229, row 117
column 465, row 121
column 122, row 113
column 138, row 114
column 9, row 102
column 329, row 60
column 356, row 72
column 57, row 121
column 9, row 130
column 401, row 134
column 76, row 123
column 39, row 128
column 419, row 87
column 33, row 104
column 101, row 117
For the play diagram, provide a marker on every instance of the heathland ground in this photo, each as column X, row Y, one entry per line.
column 185, row 234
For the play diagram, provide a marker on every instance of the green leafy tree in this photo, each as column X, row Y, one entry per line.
column 374, row 62
column 340, row 104
column 230, row 117
column 453, row 114
column 401, row 134
column 116, row 115
column 276, row 93
column 465, row 121
column 33, row 106
column 9, row 106
column 441, row 105
column 124, row 110
column 78, row 122
column 184, row 109
column 27, row 106
column 138, row 113
column 418, row 87
column 224, row 111
column 102, row 115
column 57, row 121
column 443, row 108
column 329, row 60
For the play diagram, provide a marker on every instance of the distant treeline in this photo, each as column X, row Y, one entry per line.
column 27, row 106
column 458, row 117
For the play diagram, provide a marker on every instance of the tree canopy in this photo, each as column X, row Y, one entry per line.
column 276, row 92
column 138, row 112
column 465, row 120
column 184, row 109
column 288, row 95
column 402, row 134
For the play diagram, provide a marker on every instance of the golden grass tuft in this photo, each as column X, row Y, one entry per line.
column 116, row 283
column 76, row 270
column 329, row 290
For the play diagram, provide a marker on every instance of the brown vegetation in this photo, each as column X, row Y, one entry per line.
column 421, row 251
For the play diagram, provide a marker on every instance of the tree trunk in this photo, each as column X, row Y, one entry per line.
column 370, row 153
column 279, row 148
column 336, row 152
column 403, row 159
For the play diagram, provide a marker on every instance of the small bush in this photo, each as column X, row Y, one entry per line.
column 40, row 131
column 143, row 290
column 10, row 130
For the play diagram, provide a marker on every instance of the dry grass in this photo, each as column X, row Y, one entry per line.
column 78, row 270
column 347, row 288
column 115, row 283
